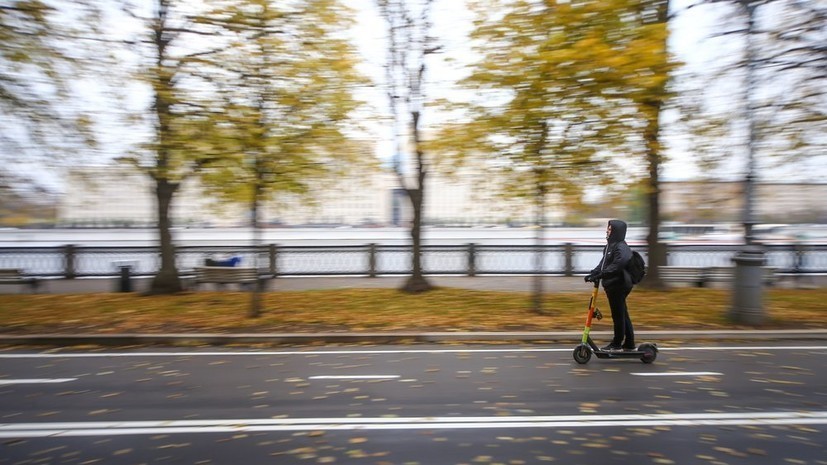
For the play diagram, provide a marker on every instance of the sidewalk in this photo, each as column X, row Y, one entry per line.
column 489, row 283
column 480, row 283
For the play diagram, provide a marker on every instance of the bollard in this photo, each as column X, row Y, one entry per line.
column 125, row 281
column 568, row 253
column 472, row 259
column 747, row 296
column 69, row 256
column 372, row 260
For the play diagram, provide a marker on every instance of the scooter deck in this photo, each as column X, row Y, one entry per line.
column 600, row 353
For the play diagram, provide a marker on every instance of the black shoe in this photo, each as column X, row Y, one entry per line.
column 629, row 347
column 612, row 347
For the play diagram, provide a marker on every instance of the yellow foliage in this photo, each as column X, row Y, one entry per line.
column 445, row 309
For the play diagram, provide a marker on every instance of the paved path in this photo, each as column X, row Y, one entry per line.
column 489, row 283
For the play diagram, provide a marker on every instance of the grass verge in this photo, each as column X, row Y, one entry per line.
column 445, row 309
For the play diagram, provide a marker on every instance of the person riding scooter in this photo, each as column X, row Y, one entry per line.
column 617, row 283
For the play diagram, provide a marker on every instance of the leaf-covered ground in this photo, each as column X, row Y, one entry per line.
column 446, row 309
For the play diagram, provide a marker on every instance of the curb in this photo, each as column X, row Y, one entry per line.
column 394, row 338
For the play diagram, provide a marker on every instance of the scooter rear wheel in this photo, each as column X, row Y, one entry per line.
column 582, row 354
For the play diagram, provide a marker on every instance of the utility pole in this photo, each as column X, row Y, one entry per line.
column 747, row 301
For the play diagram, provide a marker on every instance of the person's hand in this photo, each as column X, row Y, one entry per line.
column 590, row 278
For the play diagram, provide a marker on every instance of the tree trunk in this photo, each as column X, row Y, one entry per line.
column 657, row 250
column 166, row 281
column 537, row 300
column 541, row 175
column 416, row 283
column 255, row 293
column 652, row 109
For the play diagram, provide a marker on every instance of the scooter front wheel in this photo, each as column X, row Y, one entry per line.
column 650, row 353
column 582, row 354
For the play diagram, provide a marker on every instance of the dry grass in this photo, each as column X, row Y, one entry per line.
column 445, row 309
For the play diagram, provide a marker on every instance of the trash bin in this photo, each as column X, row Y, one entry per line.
column 748, row 293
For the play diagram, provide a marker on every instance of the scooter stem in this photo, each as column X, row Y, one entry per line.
column 592, row 305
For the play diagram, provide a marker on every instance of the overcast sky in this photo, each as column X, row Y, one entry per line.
column 692, row 39
column 690, row 31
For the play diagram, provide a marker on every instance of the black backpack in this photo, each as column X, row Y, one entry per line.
column 636, row 267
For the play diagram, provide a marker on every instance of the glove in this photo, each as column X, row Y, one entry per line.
column 590, row 278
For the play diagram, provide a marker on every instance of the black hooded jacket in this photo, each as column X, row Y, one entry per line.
column 616, row 255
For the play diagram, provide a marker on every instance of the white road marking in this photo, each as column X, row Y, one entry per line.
column 354, row 377
column 98, row 428
column 682, row 348
column 4, row 382
column 276, row 352
column 681, row 373
column 379, row 352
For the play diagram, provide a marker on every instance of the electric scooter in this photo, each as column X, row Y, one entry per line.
column 647, row 352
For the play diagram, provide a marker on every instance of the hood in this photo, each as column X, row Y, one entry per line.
column 618, row 231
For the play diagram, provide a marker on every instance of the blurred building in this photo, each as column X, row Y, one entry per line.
column 355, row 201
column 471, row 197
column 119, row 196
column 723, row 201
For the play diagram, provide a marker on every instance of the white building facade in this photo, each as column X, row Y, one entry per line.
column 121, row 196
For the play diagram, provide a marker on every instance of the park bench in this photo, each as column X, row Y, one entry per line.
column 16, row 276
column 220, row 275
column 701, row 276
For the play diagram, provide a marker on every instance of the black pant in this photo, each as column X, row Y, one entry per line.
column 624, row 333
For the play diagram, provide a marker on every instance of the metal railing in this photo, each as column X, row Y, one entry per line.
column 376, row 260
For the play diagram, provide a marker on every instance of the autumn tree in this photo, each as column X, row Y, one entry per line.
column 647, row 83
column 410, row 43
column 777, row 116
column 167, row 57
column 284, row 89
column 243, row 95
column 563, row 87
column 45, row 47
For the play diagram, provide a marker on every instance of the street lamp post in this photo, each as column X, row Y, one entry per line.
column 747, row 301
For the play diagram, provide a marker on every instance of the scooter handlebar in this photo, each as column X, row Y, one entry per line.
column 595, row 281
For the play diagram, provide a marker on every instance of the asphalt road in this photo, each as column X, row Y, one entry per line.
column 429, row 405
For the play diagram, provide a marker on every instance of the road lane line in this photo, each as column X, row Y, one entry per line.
column 286, row 352
column 4, row 382
column 99, row 428
column 681, row 373
column 354, row 377
column 380, row 352
column 714, row 348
